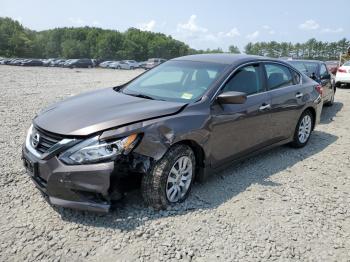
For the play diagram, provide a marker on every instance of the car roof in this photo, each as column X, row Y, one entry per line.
column 305, row 60
column 228, row 59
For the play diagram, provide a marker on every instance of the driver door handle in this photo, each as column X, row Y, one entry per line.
column 299, row 95
column 265, row 107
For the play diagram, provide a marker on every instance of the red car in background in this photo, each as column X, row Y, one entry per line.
column 332, row 66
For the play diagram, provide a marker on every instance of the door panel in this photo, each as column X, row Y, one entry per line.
column 286, row 106
column 239, row 129
column 287, row 99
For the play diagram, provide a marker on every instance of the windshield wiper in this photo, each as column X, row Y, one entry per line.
column 141, row 96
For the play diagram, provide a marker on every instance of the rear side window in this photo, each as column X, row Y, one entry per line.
column 247, row 80
column 278, row 76
column 323, row 70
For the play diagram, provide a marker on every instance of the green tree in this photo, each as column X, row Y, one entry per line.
column 234, row 49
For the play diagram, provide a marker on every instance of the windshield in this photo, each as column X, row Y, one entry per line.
column 181, row 81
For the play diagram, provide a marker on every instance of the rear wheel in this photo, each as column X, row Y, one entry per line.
column 303, row 129
column 170, row 179
column 331, row 101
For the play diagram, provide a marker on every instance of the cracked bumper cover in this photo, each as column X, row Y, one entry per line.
column 84, row 187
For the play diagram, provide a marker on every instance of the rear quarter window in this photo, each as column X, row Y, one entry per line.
column 278, row 76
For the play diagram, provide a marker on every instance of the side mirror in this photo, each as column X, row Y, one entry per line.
column 232, row 97
column 324, row 77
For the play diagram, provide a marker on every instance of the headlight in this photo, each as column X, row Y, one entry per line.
column 93, row 150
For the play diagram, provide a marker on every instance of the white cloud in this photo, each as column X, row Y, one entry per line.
column 330, row 30
column 76, row 21
column 96, row 23
column 309, row 25
column 191, row 26
column 233, row 32
column 147, row 26
column 269, row 29
column 253, row 35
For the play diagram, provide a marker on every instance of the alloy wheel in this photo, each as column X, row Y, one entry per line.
column 305, row 129
column 179, row 179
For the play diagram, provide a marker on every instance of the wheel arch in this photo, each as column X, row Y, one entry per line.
column 197, row 150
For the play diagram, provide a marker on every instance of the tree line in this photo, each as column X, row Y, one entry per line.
column 92, row 42
column 87, row 42
column 312, row 49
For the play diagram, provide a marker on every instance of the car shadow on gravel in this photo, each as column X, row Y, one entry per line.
column 220, row 188
column 329, row 112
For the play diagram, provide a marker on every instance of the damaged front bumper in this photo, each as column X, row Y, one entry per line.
column 83, row 187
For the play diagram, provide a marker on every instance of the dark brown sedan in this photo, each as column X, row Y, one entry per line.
column 178, row 122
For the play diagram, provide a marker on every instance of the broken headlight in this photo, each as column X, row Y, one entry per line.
column 94, row 150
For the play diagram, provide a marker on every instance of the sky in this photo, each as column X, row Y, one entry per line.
column 199, row 23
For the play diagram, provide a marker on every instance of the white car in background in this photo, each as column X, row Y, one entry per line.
column 343, row 74
column 106, row 64
column 114, row 65
column 129, row 64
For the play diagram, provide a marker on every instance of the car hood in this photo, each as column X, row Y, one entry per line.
column 100, row 110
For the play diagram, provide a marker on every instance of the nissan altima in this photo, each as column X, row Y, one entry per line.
column 174, row 124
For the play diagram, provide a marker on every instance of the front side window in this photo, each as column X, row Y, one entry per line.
column 278, row 76
column 246, row 79
column 182, row 81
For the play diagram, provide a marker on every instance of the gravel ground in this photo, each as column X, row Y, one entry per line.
column 286, row 205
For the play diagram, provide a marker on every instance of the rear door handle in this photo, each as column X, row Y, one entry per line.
column 265, row 107
column 299, row 95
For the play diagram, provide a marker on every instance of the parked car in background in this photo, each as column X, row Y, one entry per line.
column 152, row 62
column 129, row 64
column 318, row 71
column 31, row 62
column 79, row 63
column 105, row 64
column 114, row 65
column 332, row 66
column 343, row 74
column 185, row 119
column 47, row 62
column 57, row 62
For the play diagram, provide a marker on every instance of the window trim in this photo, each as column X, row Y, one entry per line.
column 222, row 85
column 261, row 62
column 290, row 68
column 260, row 74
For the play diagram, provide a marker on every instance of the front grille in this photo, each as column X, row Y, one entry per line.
column 46, row 141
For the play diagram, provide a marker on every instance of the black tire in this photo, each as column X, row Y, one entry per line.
column 297, row 143
column 153, row 185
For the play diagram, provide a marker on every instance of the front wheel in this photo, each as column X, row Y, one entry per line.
column 303, row 129
column 170, row 179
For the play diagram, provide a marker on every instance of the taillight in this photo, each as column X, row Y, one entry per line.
column 319, row 89
column 341, row 70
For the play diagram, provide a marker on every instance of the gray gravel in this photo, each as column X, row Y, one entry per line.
column 286, row 205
